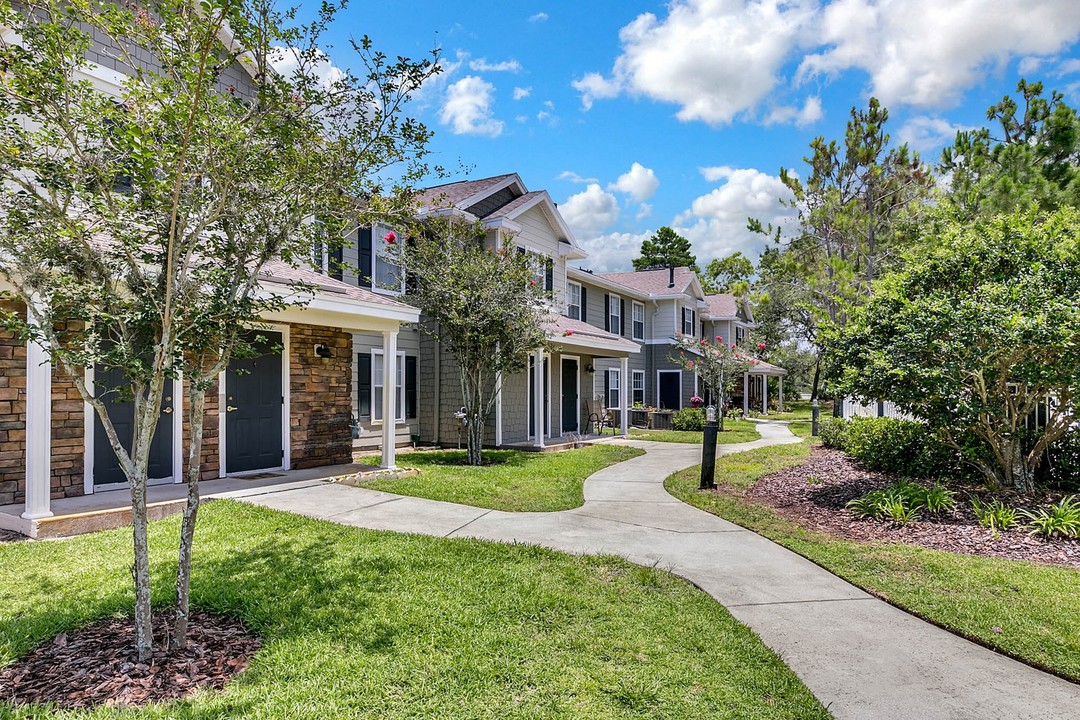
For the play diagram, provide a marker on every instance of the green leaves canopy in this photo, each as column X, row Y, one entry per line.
column 973, row 334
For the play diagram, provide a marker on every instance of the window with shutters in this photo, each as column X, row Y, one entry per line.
column 377, row 384
column 688, row 322
column 615, row 315
column 386, row 275
column 613, row 389
column 573, row 300
column 637, row 387
column 638, row 312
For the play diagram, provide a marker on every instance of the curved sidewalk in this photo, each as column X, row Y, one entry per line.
column 860, row 656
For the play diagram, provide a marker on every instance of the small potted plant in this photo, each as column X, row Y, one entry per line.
column 696, row 401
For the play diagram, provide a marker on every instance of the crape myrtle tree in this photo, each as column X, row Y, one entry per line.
column 978, row 330
column 485, row 306
column 717, row 363
column 142, row 220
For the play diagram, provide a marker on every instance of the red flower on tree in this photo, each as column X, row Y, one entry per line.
column 761, row 346
column 390, row 237
column 719, row 339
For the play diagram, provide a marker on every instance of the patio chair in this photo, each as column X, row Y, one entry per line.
column 600, row 417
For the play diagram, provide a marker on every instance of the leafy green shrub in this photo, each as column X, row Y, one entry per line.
column 689, row 419
column 1062, row 518
column 939, row 499
column 1061, row 466
column 995, row 514
column 900, row 503
column 831, row 431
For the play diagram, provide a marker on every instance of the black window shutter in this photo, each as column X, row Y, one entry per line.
column 607, row 312
column 622, row 316
column 607, row 386
column 363, row 250
column 584, row 304
column 549, row 275
column 363, row 385
column 410, row 386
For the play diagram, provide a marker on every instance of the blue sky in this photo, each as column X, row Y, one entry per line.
column 635, row 114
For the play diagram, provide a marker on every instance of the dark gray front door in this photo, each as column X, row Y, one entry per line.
column 122, row 414
column 670, row 390
column 569, row 396
column 254, row 407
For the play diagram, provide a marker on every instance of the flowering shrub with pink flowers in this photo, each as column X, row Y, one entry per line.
column 719, row 366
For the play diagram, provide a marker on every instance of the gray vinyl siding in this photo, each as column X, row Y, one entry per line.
column 409, row 344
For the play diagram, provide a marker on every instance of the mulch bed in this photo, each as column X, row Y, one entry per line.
column 98, row 666
column 8, row 536
column 814, row 495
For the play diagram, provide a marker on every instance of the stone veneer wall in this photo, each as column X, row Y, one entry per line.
column 67, row 424
column 210, row 457
column 321, row 397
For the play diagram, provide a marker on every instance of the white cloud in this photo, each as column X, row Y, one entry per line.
column 715, row 59
column 468, row 108
column 639, row 183
column 1030, row 64
column 1068, row 67
column 482, row 65
column 287, row 61
column 538, row 17
column 715, row 223
column 612, row 252
column 810, row 113
column 575, row 178
column 590, row 212
column 719, row 60
column 594, row 86
column 927, row 134
column 644, row 211
column 520, row 93
column 927, row 52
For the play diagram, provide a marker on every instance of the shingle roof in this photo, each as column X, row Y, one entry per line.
column 513, row 205
column 654, row 282
column 281, row 272
column 452, row 194
column 722, row 306
column 556, row 327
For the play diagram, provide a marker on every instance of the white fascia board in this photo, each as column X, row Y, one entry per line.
column 503, row 223
column 446, row 212
column 343, row 310
column 590, row 345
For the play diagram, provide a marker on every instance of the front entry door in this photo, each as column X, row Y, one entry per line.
column 254, row 407
column 670, row 390
column 569, row 396
column 122, row 414
column 532, row 397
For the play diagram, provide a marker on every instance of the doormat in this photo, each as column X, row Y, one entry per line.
column 259, row 476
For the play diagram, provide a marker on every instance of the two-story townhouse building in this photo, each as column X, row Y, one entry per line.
column 730, row 317
column 279, row 411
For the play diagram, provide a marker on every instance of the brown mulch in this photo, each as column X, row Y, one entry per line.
column 7, row 536
column 814, row 495
column 98, row 666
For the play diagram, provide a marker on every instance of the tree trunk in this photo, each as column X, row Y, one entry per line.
column 476, row 439
column 1018, row 472
column 817, row 378
column 144, row 631
column 197, row 403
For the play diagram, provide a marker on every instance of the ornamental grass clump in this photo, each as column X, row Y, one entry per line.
column 1061, row 519
column 903, row 502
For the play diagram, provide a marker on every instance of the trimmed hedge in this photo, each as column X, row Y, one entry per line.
column 905, row 447
column 692, row 419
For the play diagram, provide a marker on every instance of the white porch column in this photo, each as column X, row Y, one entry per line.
column 764, row 394
column 38, row 432
column 624, row 388
column 745, row 394
column 498, row 410
column 538, row 398
column 389, row 398
column 781, row 393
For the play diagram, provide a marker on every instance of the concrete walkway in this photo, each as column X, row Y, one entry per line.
column 860, row 656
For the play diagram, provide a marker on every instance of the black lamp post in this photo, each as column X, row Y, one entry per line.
column 708, row 451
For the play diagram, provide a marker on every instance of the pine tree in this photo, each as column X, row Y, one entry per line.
column 666, row 249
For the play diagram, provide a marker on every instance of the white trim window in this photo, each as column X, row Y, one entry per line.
column 573, row 300
column 377, row 386
column 688, row 322
column 612, row 389
column 637, row 313
column 615, row 315
column 386, row 275
column 637, row 387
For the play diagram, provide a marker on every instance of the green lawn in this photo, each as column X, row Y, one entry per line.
column 735, row 431
column 1035, row 607
column 801, row 410
column 365, row 624
column 515, row 481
